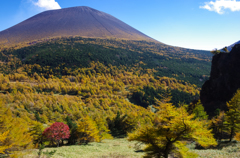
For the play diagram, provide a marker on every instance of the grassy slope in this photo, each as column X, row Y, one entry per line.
column 225, row 150
column 116, row 148
column 121, row 148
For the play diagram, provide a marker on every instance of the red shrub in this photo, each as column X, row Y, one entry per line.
column 57, row 132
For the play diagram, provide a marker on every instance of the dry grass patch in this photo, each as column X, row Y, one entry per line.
column 121, row 148
column 116, row 148
column 225, row 150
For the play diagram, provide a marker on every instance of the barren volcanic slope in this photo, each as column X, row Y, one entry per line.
column 76, row 21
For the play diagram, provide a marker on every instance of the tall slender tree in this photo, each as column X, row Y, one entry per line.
column 233, row 115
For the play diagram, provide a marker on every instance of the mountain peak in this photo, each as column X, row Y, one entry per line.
column 80, row 8
column 75, row 21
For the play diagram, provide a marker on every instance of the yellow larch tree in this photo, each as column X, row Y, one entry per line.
column 36, row 131
column 171, row 127
column 87, row 130
column 14, row 132
column 3, row 138
column 233, row 115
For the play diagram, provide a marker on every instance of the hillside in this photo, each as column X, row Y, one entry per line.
column 76, row 21
column 61, row 38
column 188, row 65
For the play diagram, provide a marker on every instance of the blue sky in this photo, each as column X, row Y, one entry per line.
column 196, row 24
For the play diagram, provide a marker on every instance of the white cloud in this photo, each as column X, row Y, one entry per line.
column 47, row 4
column 220, row 6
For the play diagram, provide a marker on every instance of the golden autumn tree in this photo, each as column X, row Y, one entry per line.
column 233, row 115
column 36, row 131
column 102, row 127
column 3, row 138
column 87, row 131
column 237, row 136
column 199, row 112
column 171, row 127
column 14, row 133
column 218, row 125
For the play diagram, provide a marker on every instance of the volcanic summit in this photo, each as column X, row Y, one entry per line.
column 76, row 21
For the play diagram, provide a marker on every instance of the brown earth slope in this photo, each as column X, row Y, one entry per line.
column 76, row 21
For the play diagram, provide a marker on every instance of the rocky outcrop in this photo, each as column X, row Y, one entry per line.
column 224, row 80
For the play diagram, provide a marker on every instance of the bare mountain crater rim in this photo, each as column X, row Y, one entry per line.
column 76, row 21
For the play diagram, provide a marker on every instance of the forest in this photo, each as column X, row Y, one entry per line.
column 74, row 91
column 191, row 66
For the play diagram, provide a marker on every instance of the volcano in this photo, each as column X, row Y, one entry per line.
column 76, row 21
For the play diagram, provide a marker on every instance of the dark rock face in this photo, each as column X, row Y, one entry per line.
column 224, row 80
column 75, row 21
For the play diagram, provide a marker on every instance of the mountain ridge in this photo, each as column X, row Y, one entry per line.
column 75, row 21
column 229, row 48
